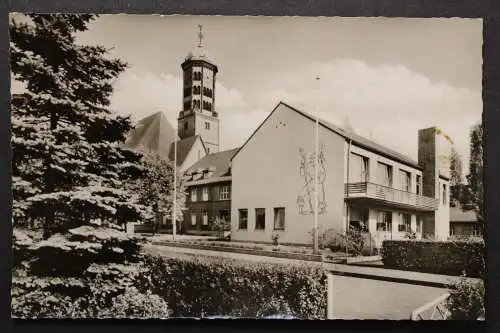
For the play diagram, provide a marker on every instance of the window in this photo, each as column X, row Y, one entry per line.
column 193, row 218
column 205, row 218
column 207, row 92
column 193, row 194
column 279, row 218
column 384, row 221
column 419, row 180
column 225, row 193
column 243, row 219
column 419, row 224
column 207, row 125
column 260, row 218
column 205, row 193
column 196, row 104
column 186, row 125
column 476, row 230
column 358, row 218
column 358, row 169
column 405, row 180
column 404, row 224
column 444, row 194
column 384, row 174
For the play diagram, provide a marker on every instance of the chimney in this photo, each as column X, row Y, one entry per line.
column 434, row 150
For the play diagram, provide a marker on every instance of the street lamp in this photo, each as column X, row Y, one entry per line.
column 316, row 162
column 174, row 208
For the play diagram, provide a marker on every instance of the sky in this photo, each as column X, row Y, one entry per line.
column 386, row 77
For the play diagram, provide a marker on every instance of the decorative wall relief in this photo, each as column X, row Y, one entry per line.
column 305, row 199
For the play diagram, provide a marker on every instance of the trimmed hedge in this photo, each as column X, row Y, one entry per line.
column 440, row 257
column 224, row 287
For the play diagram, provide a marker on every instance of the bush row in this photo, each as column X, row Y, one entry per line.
column 223, row 287
column 440, row 257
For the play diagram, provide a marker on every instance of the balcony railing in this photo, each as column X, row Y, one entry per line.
column 390, row 195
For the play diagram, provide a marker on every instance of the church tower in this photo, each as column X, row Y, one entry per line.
column 198, row 115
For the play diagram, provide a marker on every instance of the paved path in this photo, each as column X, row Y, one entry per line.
column 383, row 274
column 357, row 298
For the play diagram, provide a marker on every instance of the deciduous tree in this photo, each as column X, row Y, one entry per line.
column 155, row 189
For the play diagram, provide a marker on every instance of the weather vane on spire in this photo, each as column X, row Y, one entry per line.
column 200, row 35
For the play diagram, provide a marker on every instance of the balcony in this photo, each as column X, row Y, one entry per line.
column 389, row 197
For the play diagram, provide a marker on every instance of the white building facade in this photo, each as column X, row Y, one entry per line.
column 360, row 183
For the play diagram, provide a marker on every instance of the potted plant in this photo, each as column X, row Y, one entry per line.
column 275, row 237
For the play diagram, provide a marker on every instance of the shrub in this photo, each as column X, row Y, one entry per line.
column 276, row 306
column 356, row 241
column 220, row 225
column 466, row 301
column 275, row 238
column 410, row 235
column 94, row 276
column 441, row 257
column 219, row 287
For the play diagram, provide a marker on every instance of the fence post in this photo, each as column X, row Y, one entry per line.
column 329, row 314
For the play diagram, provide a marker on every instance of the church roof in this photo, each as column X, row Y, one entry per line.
column 218, row 163
column 200, row 53
column 155, row 133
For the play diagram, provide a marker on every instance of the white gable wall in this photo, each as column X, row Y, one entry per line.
column 266, row 174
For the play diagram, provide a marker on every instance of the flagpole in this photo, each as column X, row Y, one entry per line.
column 174, row 220
column 316, row 158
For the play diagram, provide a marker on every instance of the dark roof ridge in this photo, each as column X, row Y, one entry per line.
column 355, row 138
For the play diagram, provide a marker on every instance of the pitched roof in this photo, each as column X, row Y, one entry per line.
column 356, row 139
column 458, row 214
column 153, row 133
column 183, row 148
column 219, row 163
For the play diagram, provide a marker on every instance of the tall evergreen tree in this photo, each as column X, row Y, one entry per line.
column 70, row 175
column 456, row 184
column 68, row 166
column 473, row 199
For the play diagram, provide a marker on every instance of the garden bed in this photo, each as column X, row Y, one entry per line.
column 283, row 251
